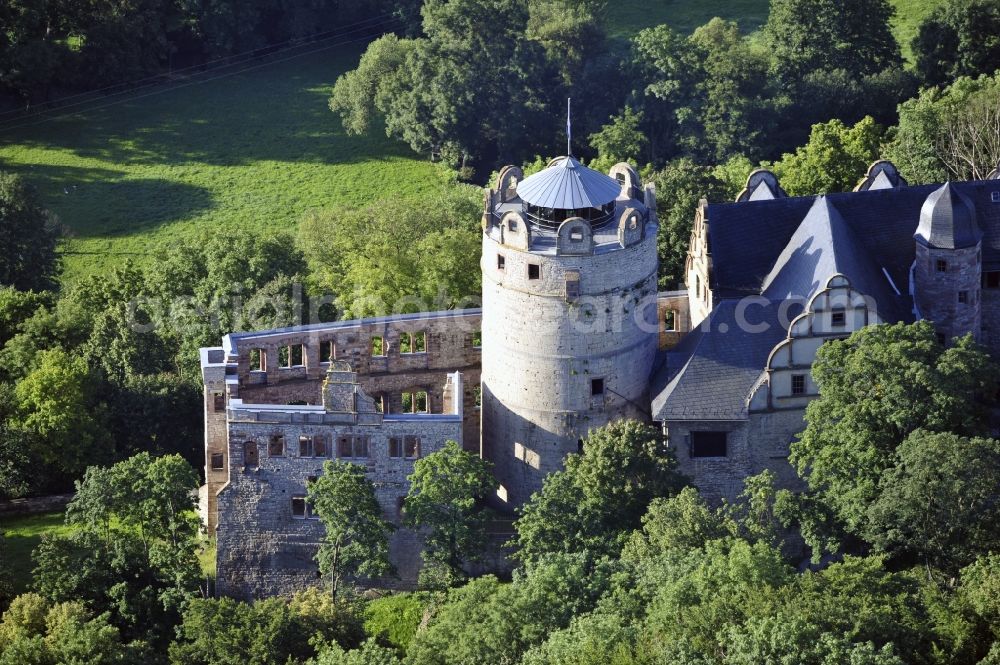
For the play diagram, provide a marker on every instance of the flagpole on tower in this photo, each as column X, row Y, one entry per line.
column 569, row 129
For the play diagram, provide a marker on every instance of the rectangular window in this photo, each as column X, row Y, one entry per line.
column 306, row 446
column 501, row 262
column 284, row 358
column 258, row 360
column 319, row 446
column 299, row 507
column 250, row 454
column 296, row 355
column 798, row 384
column 415, row 402
column 276, row 446
column 838, row 318
column 477, row 338
column 941, row 265
column 597, row 387
column 378, row 346
column 352, row 447
column 395, row 447
column 995, row 197
column 708, row 444
column 218, row 402
column 963, row 297
column 412, row 342
column 534, row 271
column 411, row 447
column 670, row 320
column 991, row 280
column 327, row 352
column 218, row 462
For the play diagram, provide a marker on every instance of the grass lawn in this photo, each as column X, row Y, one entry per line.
column 22, row 535
column 254, row 150
column 628, row 17
column 909, row 15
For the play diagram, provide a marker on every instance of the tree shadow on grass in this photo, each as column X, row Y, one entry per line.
column 278, row 112
column 101, row 202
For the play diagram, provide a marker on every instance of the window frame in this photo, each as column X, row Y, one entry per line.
column 693, row 444
column 221, row 466
column 378, row 341
column 534, row 271
column 798, row 385
column 276, row 438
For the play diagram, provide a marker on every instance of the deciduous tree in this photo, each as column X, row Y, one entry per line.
column 445, row 487
column 357, row 536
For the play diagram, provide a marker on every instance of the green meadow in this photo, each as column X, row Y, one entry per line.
column 132, row 177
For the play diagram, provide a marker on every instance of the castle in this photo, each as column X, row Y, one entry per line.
column 572, row 334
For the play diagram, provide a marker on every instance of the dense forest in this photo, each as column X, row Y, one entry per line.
column 889, row 557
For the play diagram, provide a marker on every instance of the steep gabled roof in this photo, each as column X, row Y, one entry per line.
column 822, row 246
column 747, row 238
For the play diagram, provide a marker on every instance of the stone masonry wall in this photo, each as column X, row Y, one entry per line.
column 754, row 445
column 543, row 347
column 262, row 549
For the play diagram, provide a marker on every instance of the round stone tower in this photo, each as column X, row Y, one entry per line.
column 569, row 314
column 948, row 266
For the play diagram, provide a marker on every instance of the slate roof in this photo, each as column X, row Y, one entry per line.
column 788, row 248
column 711, row 373
column 823, row 245
column 747, row 238
column 948, row 220
column 568, row 185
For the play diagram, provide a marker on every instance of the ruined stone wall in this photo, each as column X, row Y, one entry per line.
column 450, row 347
column 262, row 549
column 673, row 307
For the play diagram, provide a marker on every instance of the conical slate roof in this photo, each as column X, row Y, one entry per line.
column 568, row 185
column 948, row 220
